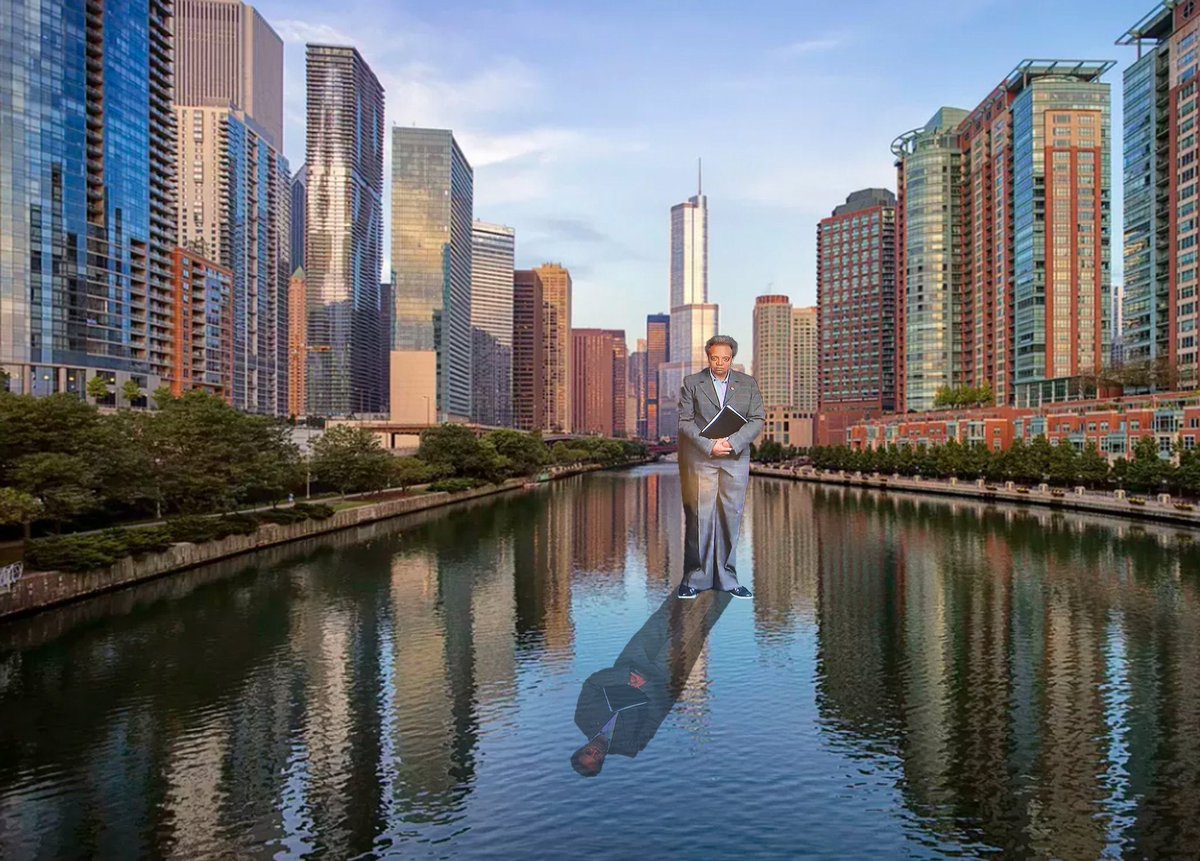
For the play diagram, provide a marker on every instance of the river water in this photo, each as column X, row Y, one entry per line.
column 915, row 678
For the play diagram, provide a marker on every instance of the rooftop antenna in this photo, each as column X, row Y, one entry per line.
column 699, row 177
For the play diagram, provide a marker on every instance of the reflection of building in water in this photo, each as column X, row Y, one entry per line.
column 542, row 551
column 493, row 623
column 781, row 536
column 194, row 774
column 598, row 528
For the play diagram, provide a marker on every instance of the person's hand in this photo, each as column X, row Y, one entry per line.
column 722, row 448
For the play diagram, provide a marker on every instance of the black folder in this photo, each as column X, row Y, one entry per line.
column 724, row 424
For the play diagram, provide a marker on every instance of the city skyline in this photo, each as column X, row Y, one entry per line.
column 546, row 150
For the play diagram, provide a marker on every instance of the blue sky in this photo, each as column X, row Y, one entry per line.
column 583, row 120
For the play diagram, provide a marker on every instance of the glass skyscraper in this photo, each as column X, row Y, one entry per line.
column 87, row 223
column 432, row 203
column 492, row 254
column 344, row 216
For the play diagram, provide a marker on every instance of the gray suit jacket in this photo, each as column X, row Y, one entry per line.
column 698, row 405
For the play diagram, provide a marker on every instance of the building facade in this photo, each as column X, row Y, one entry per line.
column 856, row 301
column 594, row 407
column 492, row 254
column 202, row 323
column 1003, row 229
column 432, row 206
column 87, row 195
column 529, row 352
column 773, row 354
column 804, row 364
column 227, row 54
column 234, row 209
column 658, row 353
column 298, row 212
column 1160, row 154
column 297, row 344
column 556, row 333
column 344, row 239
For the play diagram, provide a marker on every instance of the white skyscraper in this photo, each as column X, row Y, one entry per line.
column 693, row 319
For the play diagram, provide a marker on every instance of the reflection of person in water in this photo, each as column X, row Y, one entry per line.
column 621, row 707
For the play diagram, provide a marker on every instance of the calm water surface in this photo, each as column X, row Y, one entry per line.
column 916, row 678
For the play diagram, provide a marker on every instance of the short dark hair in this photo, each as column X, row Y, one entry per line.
column 720, row 340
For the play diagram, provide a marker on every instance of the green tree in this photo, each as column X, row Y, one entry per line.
column 1187, row 476
column 526, row 453
column 1093, row 468
column 162, row 396
column 97, row 389
column 351, row 459
column 132, row 392
column 1147, row 468
column 55, row 423
column 18, row 508
column 407, row 471
column 63, row 482
column 1063, row 465
column 448, row 445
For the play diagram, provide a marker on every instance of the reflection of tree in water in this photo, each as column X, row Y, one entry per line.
column 975, row 647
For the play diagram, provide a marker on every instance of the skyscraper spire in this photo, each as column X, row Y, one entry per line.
column 699, row 177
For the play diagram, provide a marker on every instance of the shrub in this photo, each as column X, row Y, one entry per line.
column 1185, row 506
column 455, row 485
column 192, row 529
column 282, row 516
column 1058, row 494
column 154, row 539
column 75, row 552
column 236, row 524
column 1136, row 500
column 314, row 510
column 991, row 487
column 1022, row 490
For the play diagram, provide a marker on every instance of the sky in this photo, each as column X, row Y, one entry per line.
column 584, row 121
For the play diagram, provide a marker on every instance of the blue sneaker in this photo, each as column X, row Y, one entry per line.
column 741, row 592
column 686, row 591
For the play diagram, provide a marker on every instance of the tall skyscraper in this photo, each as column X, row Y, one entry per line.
column 235, row 188
column 693, row 319
column 928, row 315
column 805, row 387
column 227, row 54
column 493, row 249
column 1003, row 258
column 298, row 222
column 772, row 365
column 1160, row 152
column 636, row 410
column 556, row 332
column 856, row 298
column 345, row 232
column 658, row 353
column 529, row 352
column 297, row 344
column 620, row 383
column 432, row 205
column 87, row 195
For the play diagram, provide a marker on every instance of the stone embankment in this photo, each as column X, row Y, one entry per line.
column 1159, row 507
column 28, row 592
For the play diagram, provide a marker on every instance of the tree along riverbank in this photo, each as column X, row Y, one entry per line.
column 1161, row 507
column 23, row 593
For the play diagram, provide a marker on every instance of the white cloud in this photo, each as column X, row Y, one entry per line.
column 293, row 31
column 809, row 46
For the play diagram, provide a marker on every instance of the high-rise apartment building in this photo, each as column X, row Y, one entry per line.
column 856, row 301
column 1002, row 240
column 620, row 383
column 235, row 188
column 432, row 205
column 297, row 344
column 805, row 385
column 344, row 215
column 556, row 305
column 598, row 400
column 658, row 353
column 1160, row 230
column 202, row 318
column 772, row 364
column 87, row 195
column 929, row 183
column 542, row 349
column 493, row 249
column 529, row 352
